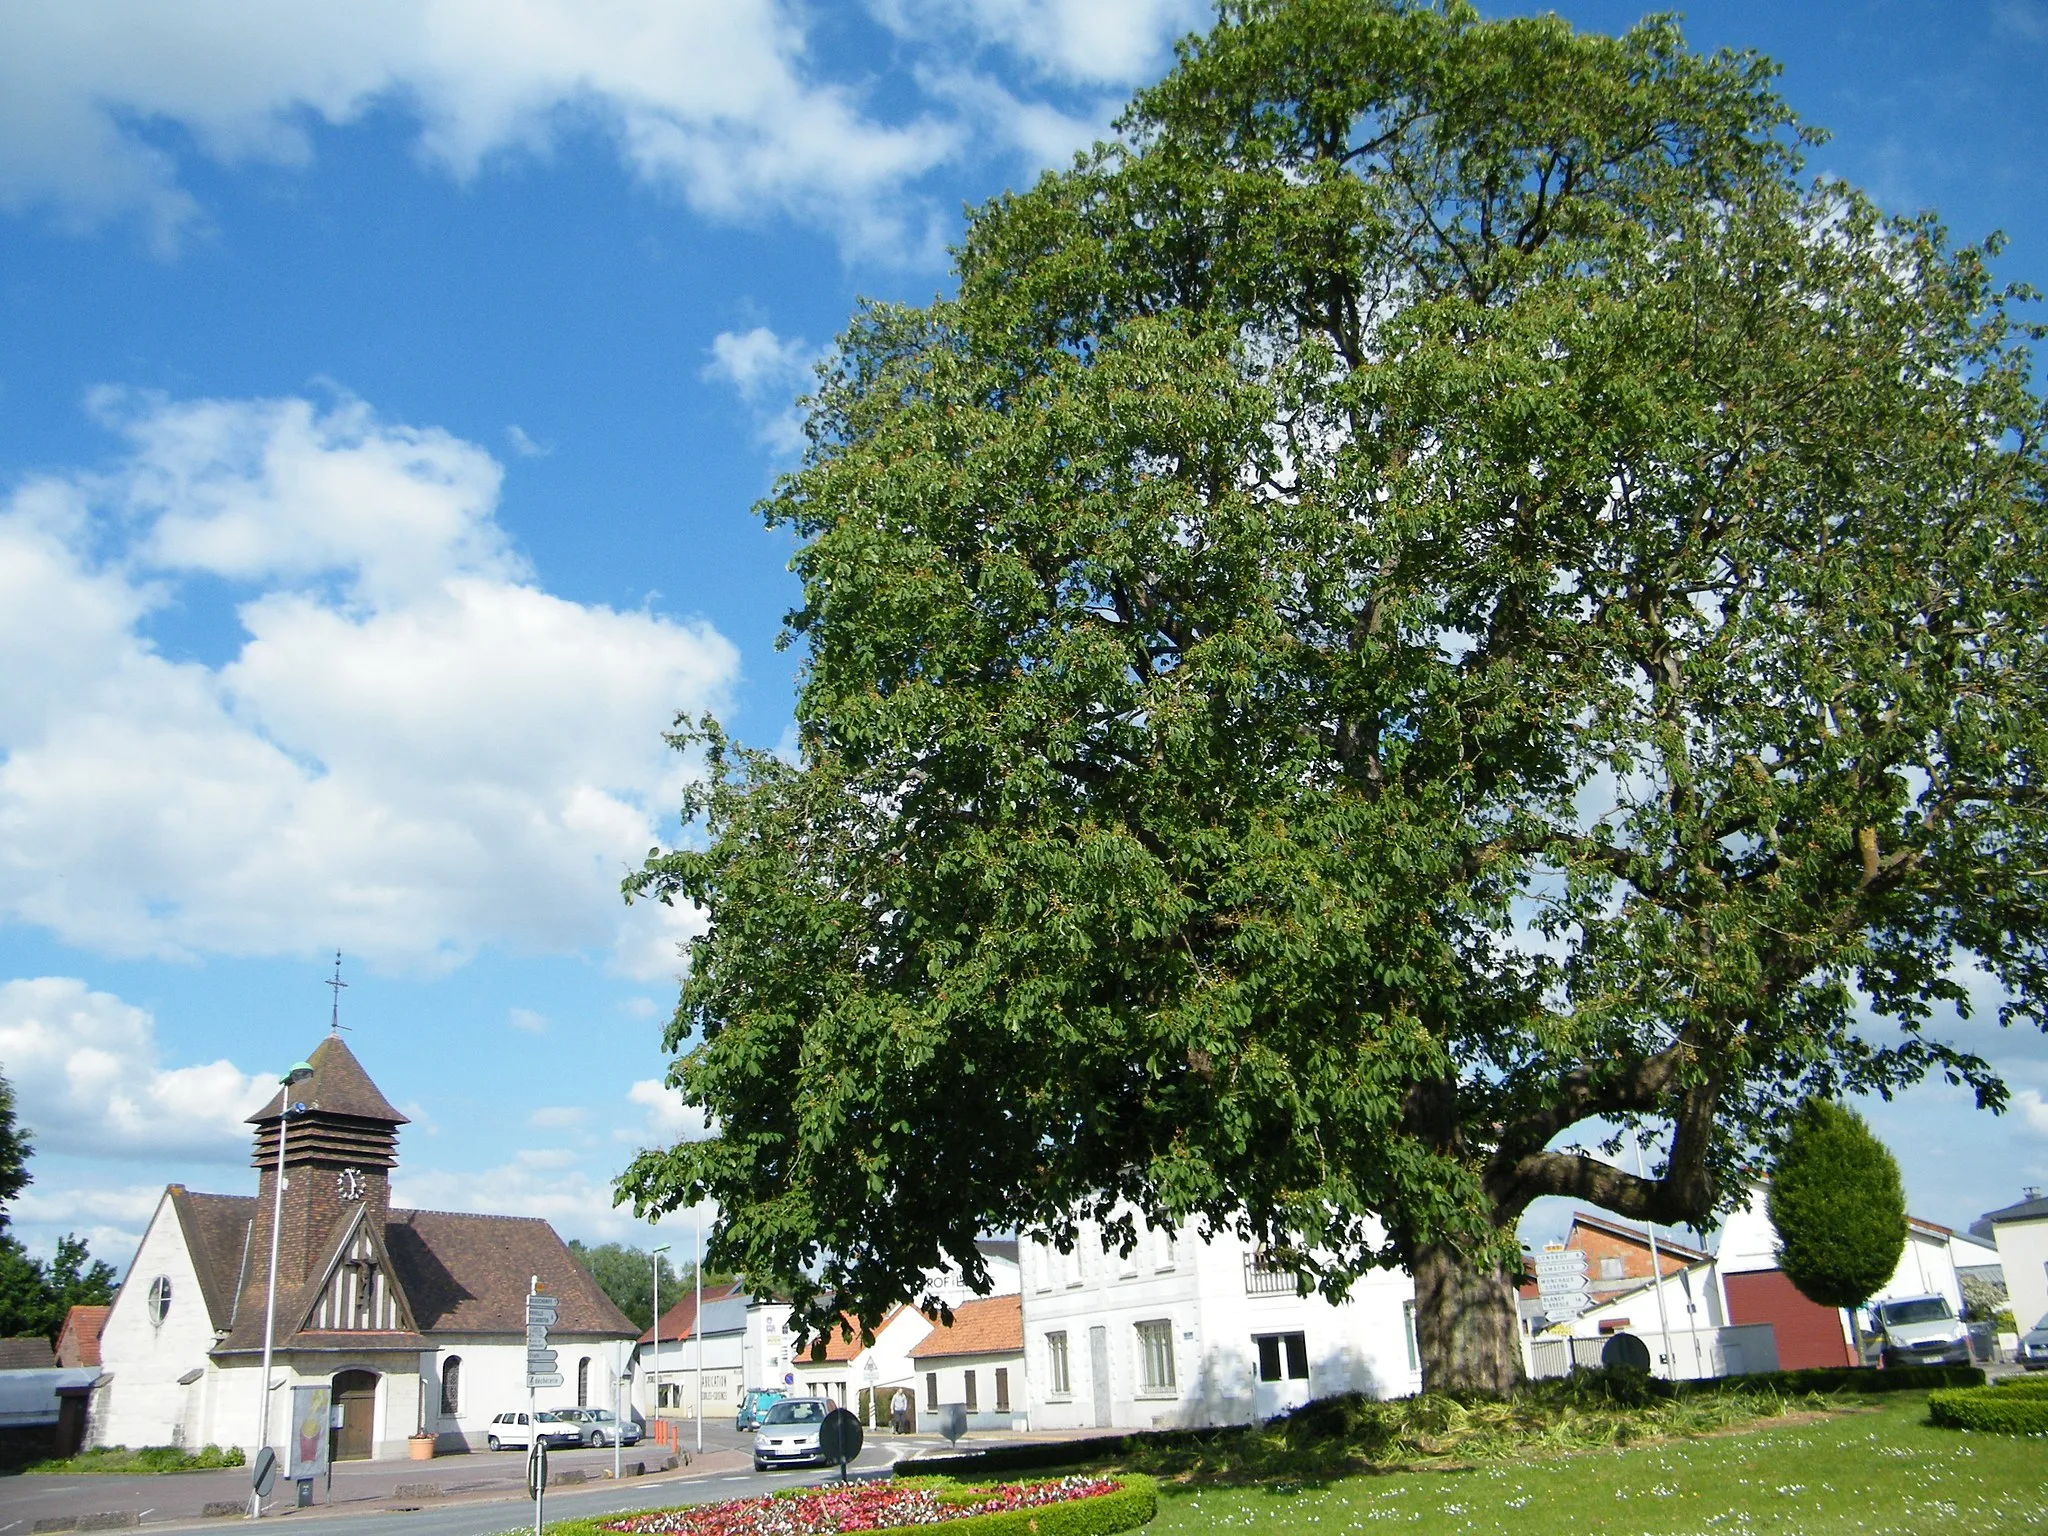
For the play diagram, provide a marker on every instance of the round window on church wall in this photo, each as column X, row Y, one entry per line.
column 159, row 1298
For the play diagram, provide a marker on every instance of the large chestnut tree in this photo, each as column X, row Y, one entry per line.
column 1433, row 598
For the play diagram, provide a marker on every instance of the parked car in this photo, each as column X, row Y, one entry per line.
column 600, row 1428
column 1920, row 1330
column 512, row 1431
column 788, row 1433
column 755, row 1402
column 2033, row 1352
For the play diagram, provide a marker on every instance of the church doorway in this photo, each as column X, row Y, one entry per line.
column 355, row 1409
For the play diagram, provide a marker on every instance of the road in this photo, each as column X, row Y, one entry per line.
column 475, row 1495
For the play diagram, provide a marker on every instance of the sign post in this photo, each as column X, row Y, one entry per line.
column 540, row 1372
column 312, row 1413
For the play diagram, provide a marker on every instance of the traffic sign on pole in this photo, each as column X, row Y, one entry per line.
column 540, row 1360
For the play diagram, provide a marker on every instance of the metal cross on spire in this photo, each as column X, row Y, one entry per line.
column 334, row 1025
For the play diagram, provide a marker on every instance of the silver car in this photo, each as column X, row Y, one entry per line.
column 600, row 1428
column 788, row 1433
column 2033, row 1352
column 1920, row 1330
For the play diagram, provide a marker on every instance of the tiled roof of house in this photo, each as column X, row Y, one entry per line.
column 1631, row 1233
column 836, row 1346
column 989, row 1325
column 679, row 1320
column 31, row 1352
column 78, row 1343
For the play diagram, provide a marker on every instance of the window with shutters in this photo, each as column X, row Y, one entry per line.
column 451, row 1385
column 1002, row 1390
column 972, row 1405
column 931, row 1390
column 1056, row 1364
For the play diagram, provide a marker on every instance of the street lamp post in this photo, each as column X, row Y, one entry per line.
column 298, row 1074
column 658, row 1252
column 697, row 1331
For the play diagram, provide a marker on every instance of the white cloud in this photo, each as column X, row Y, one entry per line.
column 715, row 99
column 526, row 1021
column 88, row 1081
column 556, row 1117
column 768, row 372
column 416, row 751
column 2032, row 1111
column 575, row 1203
column 1084, row 42
column 669, row 1119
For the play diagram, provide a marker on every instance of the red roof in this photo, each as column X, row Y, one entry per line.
column 679, row 1320
column 991, row 1325
column 78, row 1342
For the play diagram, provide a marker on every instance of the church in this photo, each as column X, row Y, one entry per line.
column 415, row 1319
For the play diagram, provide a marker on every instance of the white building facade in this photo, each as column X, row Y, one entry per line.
column 1185, row 1332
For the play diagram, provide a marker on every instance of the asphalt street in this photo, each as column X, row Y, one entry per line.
column 474, row 1495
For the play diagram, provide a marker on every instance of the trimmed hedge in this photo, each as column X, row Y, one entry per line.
column 1132, row 1505
column 1989, row 1408
column 1863, row 1378
column 980, row 1465
column 2023, row 1386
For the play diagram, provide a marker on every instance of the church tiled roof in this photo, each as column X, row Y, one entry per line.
column 338, row 1086
column 466, row 1273
column 217, row 1232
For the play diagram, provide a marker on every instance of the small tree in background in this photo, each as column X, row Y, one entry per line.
column 1839, row 1208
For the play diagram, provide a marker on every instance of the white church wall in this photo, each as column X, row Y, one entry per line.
column 144, row 1404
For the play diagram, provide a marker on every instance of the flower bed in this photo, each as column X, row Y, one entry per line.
column 1067, row 1506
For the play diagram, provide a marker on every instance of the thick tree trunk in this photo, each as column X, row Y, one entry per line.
column 1466, row 1327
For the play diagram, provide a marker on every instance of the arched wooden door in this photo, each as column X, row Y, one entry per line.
column 355, row 1412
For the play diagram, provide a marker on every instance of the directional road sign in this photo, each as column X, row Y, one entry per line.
column 540, row 1360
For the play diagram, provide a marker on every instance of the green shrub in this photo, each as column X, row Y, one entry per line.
column 2023, row 1386
column 1851, row 1378
column 1991, row 1409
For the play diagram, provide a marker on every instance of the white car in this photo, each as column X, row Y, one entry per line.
column 1920, row 1330
column 511, row 1431
column 788, row 1433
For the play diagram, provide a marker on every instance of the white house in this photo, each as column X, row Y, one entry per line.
column 2021, row 1233
column 868, row 1377
column 716, row 1342
column 1185, row 1331
column 414, row 1319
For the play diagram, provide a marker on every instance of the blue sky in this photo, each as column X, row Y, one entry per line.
column 384, row 391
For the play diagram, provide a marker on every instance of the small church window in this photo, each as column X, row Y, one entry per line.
column 159, row 1298
column 583, row 1382
column 451, row 1385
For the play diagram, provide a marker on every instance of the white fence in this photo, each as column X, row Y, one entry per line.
column 1695, row 1352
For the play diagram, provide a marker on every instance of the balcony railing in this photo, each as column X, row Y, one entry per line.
column 1260, row 1280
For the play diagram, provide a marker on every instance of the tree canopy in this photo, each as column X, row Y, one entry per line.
column 626, row 1275
column 1432, row 598
column 1839, row 1207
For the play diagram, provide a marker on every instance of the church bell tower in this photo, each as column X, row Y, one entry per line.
column 340, row 1144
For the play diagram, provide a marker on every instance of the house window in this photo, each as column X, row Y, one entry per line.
column 1155, row 1356
column 1056, row 1364
column 159, row 1298
column 451, row 1385
column 968, row 1377
column 1070, row 1264
column 1408, row 1327
column 1282, row 1356
column 931, row 1391
column 1002, row 1390
column 1169, row 1248
column 1041, row 1266
column 583, row 1382
column 1610, row 1269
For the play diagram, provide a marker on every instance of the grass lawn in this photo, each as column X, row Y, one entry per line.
column 1878, row 1467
